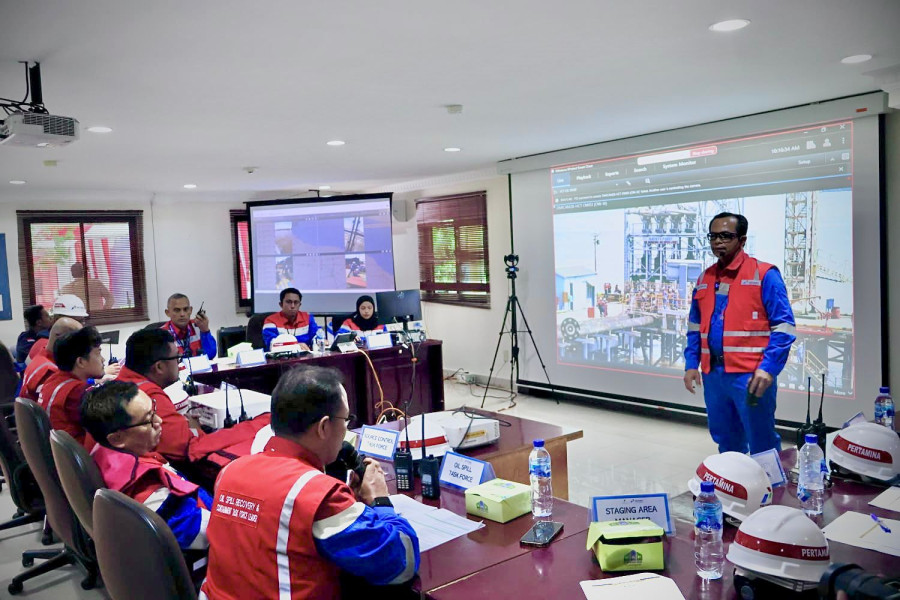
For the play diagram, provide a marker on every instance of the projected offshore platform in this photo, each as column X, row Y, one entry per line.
column 641, row 319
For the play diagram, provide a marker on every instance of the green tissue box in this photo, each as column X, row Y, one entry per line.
column 498, row 500
column 627, row 545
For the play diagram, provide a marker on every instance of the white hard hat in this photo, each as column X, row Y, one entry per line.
column 68, row 305
column 285, row 342
column 783, row 542
column 867, row 449
column 741, row 483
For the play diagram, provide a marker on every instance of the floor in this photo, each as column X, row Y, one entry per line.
column 619, row 453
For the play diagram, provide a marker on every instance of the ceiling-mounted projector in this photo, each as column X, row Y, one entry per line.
column 28, row 123
column 38, row 130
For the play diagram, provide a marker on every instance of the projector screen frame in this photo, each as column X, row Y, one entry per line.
column 250, row 204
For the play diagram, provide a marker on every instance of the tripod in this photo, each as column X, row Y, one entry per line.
column 512, row 306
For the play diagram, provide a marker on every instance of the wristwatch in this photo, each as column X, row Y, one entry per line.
column 382, row 501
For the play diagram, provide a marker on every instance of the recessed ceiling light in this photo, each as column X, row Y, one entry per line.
column 729, row 25
column 452, row 149
column 99, row 129
column 17, row 181
column 336, row 143
column 324, row 187
column 856, row 58
column 190, row 186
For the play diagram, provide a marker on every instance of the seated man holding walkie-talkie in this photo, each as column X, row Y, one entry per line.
column 151, row 362
column 192, row 336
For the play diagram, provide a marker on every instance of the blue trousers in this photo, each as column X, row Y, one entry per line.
column 733, row 424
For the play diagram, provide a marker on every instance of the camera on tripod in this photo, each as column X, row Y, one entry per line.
column 511, row 261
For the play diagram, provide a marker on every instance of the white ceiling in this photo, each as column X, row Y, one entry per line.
column 196, row 90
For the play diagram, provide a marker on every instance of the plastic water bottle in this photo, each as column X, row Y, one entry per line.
column 709, row 553
column 884, row 408
column 811, row 486
column 541, row 483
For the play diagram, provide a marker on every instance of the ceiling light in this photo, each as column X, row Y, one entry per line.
column 452, row 149
column 190, row 186
column 324, row 187
column 729, row 25
column 856, row 58
column 17, row 181
column 99, row 129
column 336, row 143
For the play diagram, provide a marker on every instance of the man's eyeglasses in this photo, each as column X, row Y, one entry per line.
column 149, row 421
column 349, row 418
column 175, row 357
column 726, row 236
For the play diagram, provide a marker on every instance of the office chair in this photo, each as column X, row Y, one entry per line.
column 230, row 336
column 137, row 551
column 254, row 329
column 79, row 476
column 33, row 427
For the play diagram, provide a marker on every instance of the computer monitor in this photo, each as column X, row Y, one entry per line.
column 400, row 306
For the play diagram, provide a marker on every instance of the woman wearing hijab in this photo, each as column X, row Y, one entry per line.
column 364, row 318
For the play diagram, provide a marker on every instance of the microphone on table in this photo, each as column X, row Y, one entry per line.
column 229, row 422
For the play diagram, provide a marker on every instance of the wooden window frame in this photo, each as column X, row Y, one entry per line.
column 458, row 293
column 240, row 216
column 135, row 221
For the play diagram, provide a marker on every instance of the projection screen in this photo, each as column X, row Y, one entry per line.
column 617, row 242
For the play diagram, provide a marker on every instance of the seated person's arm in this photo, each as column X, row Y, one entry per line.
column 176, row 430
column 208, row 343
column 269, row 333
column 375, row 544
column 310, row 336
column 187, row 516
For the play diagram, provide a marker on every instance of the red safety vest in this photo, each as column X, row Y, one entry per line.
column 186, row 339
column 746, row 328
column 138, row 476
column 39, row 370
column 61, row 398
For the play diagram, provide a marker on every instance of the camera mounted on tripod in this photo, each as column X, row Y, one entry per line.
column 511, row 261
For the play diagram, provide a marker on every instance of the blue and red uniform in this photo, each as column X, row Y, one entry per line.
column 191, row 341
column 281, row 528
column 303, row 327
column 740, row 321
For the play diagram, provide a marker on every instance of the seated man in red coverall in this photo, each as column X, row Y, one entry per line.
column 124, row 421
column 77, row 355
column 42, row 366
column 281, row 528
column 151, row 362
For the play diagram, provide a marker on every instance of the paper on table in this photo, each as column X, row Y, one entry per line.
column 433, row 526
column 858, row 529
column 889, row 499
column 629, row 587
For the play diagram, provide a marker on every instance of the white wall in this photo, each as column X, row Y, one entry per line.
column 469, row 334
column 187, row 248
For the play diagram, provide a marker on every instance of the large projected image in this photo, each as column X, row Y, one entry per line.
column 630, row 244
column 332, row 251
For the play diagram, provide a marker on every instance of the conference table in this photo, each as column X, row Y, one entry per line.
column 509, row 455
column 411, row 382
column 491, row 563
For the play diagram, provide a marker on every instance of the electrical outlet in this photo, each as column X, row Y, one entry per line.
column 470, row 378
column 462, row 376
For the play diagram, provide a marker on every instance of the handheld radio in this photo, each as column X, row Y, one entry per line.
column 818, row 426
column 806, row 427
column 403, row 465
column 430, row 469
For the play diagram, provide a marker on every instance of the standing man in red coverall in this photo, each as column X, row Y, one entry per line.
column 79, row 360
column 280, row 528
column 151, row 362
column 42, row 366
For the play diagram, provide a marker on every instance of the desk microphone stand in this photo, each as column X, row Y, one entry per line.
column 512, row 306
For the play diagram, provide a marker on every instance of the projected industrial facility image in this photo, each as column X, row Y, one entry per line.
column 628, row 254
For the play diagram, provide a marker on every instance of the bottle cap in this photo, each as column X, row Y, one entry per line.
column 811, row 438
column 884, row 390
column 707, row 487
column 538, row 443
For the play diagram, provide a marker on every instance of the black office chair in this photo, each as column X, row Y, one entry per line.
column 254, row 329
column 33, row 427
column 231, row 336
column 79, row 476
column 137, row 551
column 155, row 325
column 23, row 488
